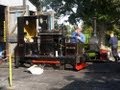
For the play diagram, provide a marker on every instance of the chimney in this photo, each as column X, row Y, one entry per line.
column 24, row 3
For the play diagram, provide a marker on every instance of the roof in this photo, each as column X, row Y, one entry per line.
column 17, row 3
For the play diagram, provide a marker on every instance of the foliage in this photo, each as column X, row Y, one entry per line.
column 107, row 11
column 40, row 3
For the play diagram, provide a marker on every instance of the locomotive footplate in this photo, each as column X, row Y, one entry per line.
column 60, row 60
column 42, row 59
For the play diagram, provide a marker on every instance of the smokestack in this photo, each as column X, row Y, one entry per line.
column 24, row 3
column 94, row 26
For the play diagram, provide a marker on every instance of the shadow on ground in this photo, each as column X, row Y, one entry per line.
column 3, row 88
column 98, row 76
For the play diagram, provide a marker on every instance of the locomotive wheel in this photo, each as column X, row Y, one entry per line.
column 61, row 66
column 17, row 63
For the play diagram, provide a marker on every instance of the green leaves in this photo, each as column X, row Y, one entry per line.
column 104, row 10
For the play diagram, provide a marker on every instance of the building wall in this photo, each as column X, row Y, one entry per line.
column 12, row 10
column 11, row 22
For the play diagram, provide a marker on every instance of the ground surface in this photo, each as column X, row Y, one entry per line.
column 97, row 76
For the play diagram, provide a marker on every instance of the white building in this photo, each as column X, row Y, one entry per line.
column 12, row 3
column 9, row 11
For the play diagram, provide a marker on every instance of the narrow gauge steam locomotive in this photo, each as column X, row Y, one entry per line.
column 36, row 44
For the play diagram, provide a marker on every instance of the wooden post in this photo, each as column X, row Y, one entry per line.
column 7, row 18
column 10, row 72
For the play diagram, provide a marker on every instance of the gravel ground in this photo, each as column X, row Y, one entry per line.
column 97, row 76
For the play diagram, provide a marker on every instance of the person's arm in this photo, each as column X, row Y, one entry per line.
column 74, row 35
column 81, row 38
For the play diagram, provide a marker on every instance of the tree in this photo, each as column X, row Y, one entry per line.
column 104, row 10
column 41, row 3
column 107, row 12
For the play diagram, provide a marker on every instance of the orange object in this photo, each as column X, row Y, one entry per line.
column 80, row 66
column 103, row 51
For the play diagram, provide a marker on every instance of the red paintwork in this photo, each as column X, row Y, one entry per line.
column 80, row 66
column 45, row 62
column 103, row 54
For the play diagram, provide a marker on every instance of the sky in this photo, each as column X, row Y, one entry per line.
column 64, row 20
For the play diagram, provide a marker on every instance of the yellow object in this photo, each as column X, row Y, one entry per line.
column 4, row 32
column 10, row 71
column 30, row 28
